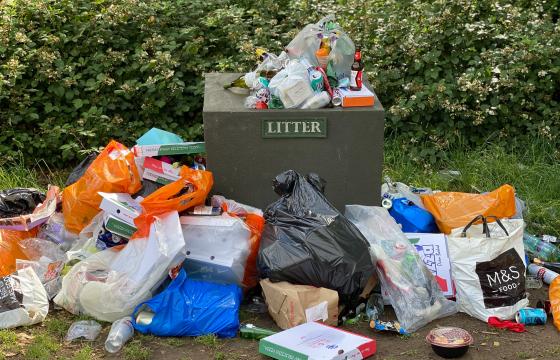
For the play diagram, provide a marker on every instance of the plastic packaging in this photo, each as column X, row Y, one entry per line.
column 540, row 249
column 411, row 287
column 46, row 259
column 192, row 308
column 318, row 101
column 217, row 248
column 308, row 41
column 85, row 329
column 121, row 331
column 80, row 169
column 10, row 249
column 292, row 85
column 488, row 268
column 307, row 241
column 546, row 275
column 114, row 170
column 109, row 284
column 187, row 192
column 412, row 218
column 54, row 230
column 23, row 199
column 394, row 190
column 19, row 201
column 454, row 210
column 554, row 296
column 23, row 299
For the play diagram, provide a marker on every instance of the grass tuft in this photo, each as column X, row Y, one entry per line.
column 136, row 351
column 85, row 353
column 209, row 341
column 56, row 327
column 43, row 347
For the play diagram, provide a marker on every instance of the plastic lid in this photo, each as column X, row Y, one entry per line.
column 449, row 337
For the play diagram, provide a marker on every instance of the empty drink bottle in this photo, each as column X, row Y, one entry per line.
column 121, row 331
column 540, row 249
column 250, row 331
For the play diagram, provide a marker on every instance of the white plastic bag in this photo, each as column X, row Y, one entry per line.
column 217, row 248
column 109, row 284
column 23, row 299
column 411, row 287
column 292, row 85
column 308, row 41
column 85, row 245
column 489, row 268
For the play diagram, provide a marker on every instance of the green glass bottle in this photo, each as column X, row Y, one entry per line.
column 250, row 331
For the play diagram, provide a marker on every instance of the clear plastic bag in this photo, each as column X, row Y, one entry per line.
column 411, row 287
column 85, row 329
column 46, row 259
column 108, row 285
column 292, row 85
column 308, row 41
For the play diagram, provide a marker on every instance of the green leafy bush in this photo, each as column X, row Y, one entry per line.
column 75, row 73
column 462, row 72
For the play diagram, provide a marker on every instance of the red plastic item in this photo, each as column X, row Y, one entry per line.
column 506, row 324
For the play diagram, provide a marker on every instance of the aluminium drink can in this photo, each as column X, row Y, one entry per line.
column 530, row 316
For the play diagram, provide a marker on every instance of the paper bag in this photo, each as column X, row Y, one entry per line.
column 292, row 305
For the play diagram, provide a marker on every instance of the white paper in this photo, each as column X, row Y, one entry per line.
column 317, row 312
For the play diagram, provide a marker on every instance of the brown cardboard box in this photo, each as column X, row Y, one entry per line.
column 291, row 305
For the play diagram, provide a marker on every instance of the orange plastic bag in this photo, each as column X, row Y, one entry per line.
column 113, row 171
column 454, row 209
column 255, row 222
column 174, row 196
column 554, row 297
column 10, row 250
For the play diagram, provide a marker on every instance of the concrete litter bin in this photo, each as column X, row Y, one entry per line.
column 247, row 148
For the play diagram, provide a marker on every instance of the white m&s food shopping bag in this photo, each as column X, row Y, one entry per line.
column 488, row 266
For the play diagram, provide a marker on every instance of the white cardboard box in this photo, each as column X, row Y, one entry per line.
column 159, row 171
column 120, row 205
column 432, row 249
column 314, row 341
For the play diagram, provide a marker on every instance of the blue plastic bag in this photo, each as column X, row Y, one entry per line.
column 412, row 218
column 192, row 308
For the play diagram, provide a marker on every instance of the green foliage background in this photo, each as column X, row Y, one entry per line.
column 75, row 73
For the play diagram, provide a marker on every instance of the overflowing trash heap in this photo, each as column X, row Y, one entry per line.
column 321, row 67
column 137, row 238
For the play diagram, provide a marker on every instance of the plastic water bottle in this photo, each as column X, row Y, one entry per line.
column 542, row 273
column 540, row 249
column 121, row 331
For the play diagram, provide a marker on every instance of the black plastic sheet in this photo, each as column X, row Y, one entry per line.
column 19, row 201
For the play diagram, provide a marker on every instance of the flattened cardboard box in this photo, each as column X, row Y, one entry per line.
column 291, row 305
column 316, row 341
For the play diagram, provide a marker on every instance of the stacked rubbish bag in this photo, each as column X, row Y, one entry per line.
column 138, row 239
column 321, row 67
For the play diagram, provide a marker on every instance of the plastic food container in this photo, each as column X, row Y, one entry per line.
column 449, row 342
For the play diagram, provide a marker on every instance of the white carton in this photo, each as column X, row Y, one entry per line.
column 314, row 341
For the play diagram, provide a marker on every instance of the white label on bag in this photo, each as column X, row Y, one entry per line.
column 550, row 238
column 317, row 312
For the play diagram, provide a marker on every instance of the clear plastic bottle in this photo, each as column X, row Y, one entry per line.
column 121, row 331
column 540, row 249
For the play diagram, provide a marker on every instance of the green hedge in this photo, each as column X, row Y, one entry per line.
column 75, row 73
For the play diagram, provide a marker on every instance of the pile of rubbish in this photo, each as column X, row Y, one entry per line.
column 321, row 67
column 137, row 238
